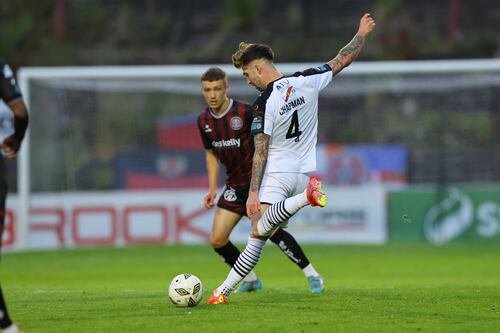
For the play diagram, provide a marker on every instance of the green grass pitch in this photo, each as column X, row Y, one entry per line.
column 393, row 288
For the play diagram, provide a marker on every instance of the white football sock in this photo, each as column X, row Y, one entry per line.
column 295, row 203
column 244, row 264
column 279, row 213
column 310, row 271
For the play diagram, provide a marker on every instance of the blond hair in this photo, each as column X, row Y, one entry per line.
column 247, row 52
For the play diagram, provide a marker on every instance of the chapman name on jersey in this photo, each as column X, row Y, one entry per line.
column 287, row 111
column 292, row 105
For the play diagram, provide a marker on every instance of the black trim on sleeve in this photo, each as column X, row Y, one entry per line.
column 259, row 110
column 313, row 71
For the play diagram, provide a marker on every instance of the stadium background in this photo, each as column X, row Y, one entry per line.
column 413, row 152
column 431, row 139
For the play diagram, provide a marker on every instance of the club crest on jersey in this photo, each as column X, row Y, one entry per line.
column 230, row 194
column 289, row 93
column 236, row 123
column 207, row 129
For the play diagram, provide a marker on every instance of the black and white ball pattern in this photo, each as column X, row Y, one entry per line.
column 185, row 290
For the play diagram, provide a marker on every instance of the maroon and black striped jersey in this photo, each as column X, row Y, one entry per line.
column 228, row 135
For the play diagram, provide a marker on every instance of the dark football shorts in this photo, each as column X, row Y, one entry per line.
column 234, row 199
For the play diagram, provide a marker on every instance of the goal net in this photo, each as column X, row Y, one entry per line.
column 118, row 130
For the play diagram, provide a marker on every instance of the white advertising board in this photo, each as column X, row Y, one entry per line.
column 73, row 219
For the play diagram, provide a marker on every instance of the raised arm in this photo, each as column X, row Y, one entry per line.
column 261, row 142
column 351, row 50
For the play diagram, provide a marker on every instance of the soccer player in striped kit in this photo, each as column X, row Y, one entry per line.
column 225, row 132
column 11, row 95
column 284, row 126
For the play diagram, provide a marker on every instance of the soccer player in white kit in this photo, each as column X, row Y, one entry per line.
column 285, row 134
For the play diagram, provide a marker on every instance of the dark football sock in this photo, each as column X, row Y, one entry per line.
column 229, row 253
column 290, row 247
column 4, row 315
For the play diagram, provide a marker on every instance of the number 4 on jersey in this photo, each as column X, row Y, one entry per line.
column 293, row 130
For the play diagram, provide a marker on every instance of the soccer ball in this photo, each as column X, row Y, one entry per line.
column 185, row 290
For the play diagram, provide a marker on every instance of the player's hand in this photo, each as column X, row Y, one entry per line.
column 253, row 203
column 209, row 199
column 10, row 146
column 366, row 25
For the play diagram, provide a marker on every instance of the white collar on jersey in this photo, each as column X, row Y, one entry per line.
column 223, row 113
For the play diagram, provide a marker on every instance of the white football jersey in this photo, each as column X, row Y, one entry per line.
column 287, row 111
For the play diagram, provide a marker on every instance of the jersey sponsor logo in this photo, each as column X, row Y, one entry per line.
column 231, row 143
column 236, row 123
column 289, row 93
column 230, row 194
column 256, row 123
column 292, row 105
column 207, row 129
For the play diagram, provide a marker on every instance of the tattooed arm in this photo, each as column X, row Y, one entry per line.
column 351, row 50
column 261, row 142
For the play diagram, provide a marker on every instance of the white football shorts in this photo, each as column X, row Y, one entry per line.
column 277, row 186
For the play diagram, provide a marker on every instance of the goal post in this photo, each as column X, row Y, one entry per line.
column 400, row 82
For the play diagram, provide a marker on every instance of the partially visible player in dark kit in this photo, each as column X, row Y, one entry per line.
column 11, row 95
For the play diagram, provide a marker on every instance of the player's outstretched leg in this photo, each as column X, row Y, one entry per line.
column 280, row 212
column 272, row 218
column 224, row 222
column 291, row 248
column 245, row 263
column 230, row 254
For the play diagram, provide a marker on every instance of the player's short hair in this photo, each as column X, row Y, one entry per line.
column 248, row 52
column 213, row 74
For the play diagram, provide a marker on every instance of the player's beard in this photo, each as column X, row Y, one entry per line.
column 257, row 87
